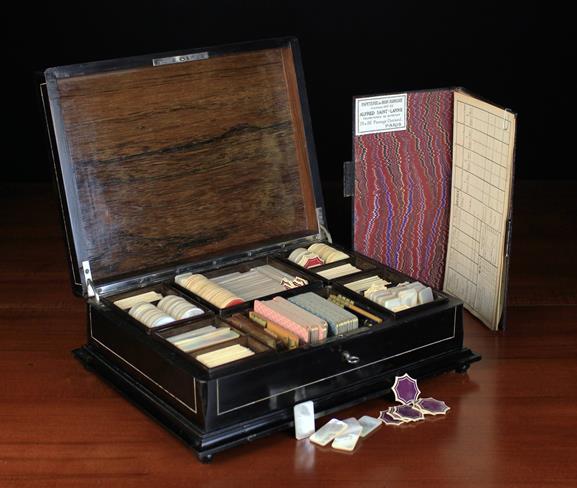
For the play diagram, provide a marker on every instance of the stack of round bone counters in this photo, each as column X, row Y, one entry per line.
column 305, row 258
column 208, row 290
column 316, row 255
column 178, row 307
column 327, row 253
column 395, row 298
column 168, row 309
column 149, row 315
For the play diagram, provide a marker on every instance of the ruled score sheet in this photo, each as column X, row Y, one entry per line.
column 483, row 144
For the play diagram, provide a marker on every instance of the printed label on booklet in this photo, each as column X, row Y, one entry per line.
column 380, row 114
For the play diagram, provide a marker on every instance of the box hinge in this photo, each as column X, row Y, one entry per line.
column 90, row 288
column 348, row 178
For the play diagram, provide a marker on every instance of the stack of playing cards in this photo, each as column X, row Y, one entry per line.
column 309, row 328
column 338, row 271
column 411, row 408
column 340, row 320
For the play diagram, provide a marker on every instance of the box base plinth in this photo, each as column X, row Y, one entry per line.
column 206, row 444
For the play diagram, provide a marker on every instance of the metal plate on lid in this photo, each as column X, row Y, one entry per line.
column 174, row 163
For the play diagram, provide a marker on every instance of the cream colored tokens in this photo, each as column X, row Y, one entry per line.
column 327, row 253
column 137, row 310
column 208, row 290
column 127, row 303
column 336, row 255
column 178, row 307
column 305, row 257
column 149, row 315
column 296, row 254
column 315, row 246
column 225, row 355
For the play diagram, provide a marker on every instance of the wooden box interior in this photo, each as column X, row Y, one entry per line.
column 171, row 164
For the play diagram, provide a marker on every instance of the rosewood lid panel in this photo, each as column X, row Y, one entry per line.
column 169, row 164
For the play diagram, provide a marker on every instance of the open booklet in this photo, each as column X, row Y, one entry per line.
column 433, row 187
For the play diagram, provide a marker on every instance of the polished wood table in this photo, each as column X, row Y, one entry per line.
column 513, row 418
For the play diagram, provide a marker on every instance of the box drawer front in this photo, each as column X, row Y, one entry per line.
column 325, row 368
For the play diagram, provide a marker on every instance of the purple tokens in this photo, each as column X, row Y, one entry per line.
column 406, row 389
column 412, row 408
column 431, row 406
column 392, row 412
column 408, row 413
column 387, row 419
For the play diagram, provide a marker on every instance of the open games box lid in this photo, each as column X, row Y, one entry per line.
column 433, row 174
column 171, row 160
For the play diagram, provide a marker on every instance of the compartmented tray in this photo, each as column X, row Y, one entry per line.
column 363, row 263
column 164, row 336
column 395, row 278
column 368, row 316
column 243, row 267
column 263, row 353
column 165, row 290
